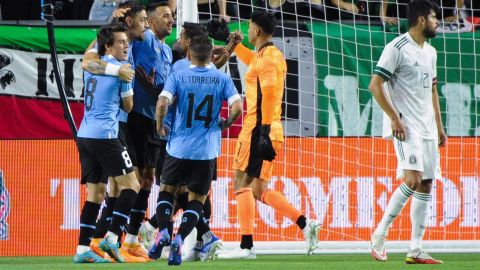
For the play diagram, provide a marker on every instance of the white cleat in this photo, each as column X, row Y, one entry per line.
column 165, row 253
column 208, row 250
column 194, row 253
column 146, row 236
column 310, row 232
column 239, row 253
column 378, row 247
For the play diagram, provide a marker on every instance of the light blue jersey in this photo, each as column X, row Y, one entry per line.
column 150, row 54
column 123, row 117
column 184, row 64
column 102, row 100
column 200, row 92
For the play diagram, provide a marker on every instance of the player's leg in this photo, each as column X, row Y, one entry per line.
column 143, row 146
column 148, row 228
column 105, row 218
column 279, row 202
column 173, row 173
column 116, row 162
column 419, row 209
column 411, row 171
column 92, row 175
column 199, row 182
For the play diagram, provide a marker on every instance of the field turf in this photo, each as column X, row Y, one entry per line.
column 263, row 262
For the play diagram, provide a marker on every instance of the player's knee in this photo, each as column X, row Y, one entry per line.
column 412, row 181
column 168, row 188
column 96, row 193
column 425, row 186
column 146, row 183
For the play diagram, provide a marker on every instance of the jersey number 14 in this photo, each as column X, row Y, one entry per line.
column 207, row 117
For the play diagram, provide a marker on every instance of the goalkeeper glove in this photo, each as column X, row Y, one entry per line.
column 267, row 152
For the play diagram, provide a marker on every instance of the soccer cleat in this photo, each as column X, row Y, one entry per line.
column 136, row 250
column 310, row 232
column 95, row 247
column 239, row 253
column 175, row 257
column 208, row 250
column 89, row 257
column 129, row 258
column 377, row 243
column 194, row 253
column 146, row 236
column 112, row 250
column 418, row 256
column 162, row 239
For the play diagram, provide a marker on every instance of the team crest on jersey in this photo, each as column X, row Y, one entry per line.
column 413, row 159
column 4, row 208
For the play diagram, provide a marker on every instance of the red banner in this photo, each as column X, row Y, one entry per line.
column 343, row 182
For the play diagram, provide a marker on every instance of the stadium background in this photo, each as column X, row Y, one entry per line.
column 334, row 167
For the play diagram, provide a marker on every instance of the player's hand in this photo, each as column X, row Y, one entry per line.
column 120, row 12
column 442, row 138
column 161, row 130
column 225, row 18
column 350, row 7
column 223, row 124
column 398, row 129
column 451, row 19
column 236, row 36
column 267, row 152
column 126, row 73
column 389, row 20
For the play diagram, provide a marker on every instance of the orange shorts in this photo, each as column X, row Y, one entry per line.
column 247, row 157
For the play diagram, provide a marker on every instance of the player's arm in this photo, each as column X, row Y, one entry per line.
column 92, row 63
column 126, row 92
column 236, row 109
column 378, row 92
column 442, row 137
column 245, row 54
column 220, row 59
column 161, row 111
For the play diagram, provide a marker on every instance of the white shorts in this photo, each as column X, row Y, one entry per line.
column 418, row 154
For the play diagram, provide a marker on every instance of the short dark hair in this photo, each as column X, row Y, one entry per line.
column 134, row 7
column 201, row 46
column 265, row 20
column 106, row 36
column 153, row 6
column 419, row 8
column 193, row 29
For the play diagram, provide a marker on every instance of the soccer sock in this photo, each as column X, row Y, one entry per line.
column 190, row 218
column 207, row 209
column 278, row 201
column 106, row 217
column 419, row 218
column 395, row 205
column 164, row 209
column 153, row 222
column 87, row 222
column 138, row 211
column 246, row 215
column 201, row 226
column 182, row 201
column 122, row 210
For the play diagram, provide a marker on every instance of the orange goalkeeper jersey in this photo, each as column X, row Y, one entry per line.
column 264, row 81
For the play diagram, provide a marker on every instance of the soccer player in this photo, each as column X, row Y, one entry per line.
column 101, row 153
column 153, row 56
column 261, row 137
column 404, row 84
column 207, row 242
column 135, row 19
column 195, row 138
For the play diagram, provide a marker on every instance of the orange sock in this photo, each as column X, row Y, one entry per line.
column 245, row 210
column 278, row 201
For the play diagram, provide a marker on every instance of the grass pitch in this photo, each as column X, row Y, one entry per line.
column 263, row 262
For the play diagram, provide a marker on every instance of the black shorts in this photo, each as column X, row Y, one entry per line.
column 101, row 158
column 146, row 142
column 197, row 174
column 126, row 140
column 160, row 161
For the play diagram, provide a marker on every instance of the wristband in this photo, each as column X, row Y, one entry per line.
column 112, row 70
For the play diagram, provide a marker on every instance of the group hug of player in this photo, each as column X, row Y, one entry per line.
column 151, row 118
